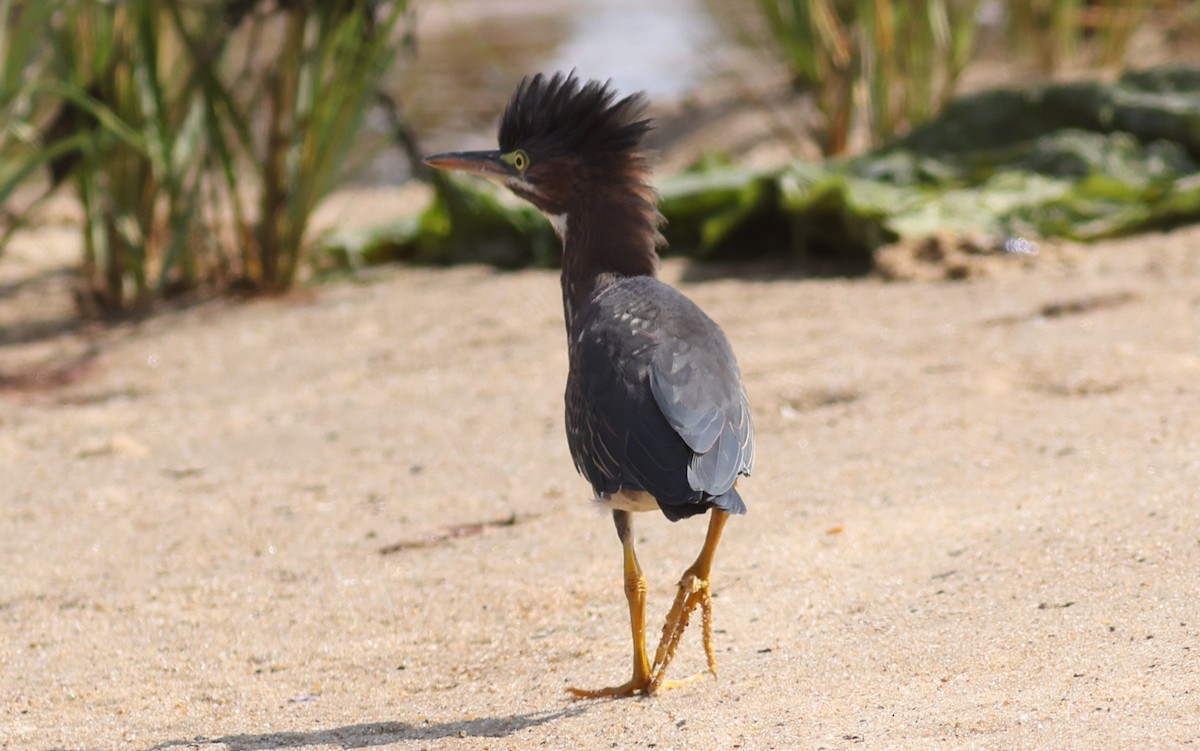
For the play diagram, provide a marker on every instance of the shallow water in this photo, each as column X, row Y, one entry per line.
column 657, row 47
column 468, row 57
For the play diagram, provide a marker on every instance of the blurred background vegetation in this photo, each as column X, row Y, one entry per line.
column 893, row 64
column 199, row 137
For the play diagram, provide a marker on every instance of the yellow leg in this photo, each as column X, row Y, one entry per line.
column 693, row 591
column 635, row 593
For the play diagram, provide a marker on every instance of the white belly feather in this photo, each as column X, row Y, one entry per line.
column 628, row 500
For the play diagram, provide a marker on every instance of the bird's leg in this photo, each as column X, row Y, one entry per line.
column 635, row 593
column 693, row 591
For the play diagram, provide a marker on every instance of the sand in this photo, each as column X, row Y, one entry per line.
column 348, row 519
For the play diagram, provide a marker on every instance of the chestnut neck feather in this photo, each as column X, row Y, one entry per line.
column 611, row 234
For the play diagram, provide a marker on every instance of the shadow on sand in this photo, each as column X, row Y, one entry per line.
column 369, row 734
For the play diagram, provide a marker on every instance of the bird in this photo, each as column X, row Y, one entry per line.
column 657, row 417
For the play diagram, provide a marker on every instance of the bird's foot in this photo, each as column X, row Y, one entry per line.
column 693, row 591
column 631, row 687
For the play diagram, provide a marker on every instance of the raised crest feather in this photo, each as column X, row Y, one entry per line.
column 562, row 115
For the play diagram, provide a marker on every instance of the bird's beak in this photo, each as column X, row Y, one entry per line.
column 484, row 163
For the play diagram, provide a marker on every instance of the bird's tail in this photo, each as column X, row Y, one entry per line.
column 730, row 501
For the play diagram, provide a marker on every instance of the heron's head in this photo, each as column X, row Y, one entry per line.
column 564, row 143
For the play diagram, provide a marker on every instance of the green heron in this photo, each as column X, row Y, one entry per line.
column 656, row 415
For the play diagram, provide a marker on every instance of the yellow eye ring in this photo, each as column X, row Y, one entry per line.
column 518, row 159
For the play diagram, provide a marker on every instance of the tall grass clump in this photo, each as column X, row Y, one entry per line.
column 308, row 89
column 23, row 56
column 888, row 65
column 126, row 95
column 1054, row 34
column 199, row 137
column 893, row 63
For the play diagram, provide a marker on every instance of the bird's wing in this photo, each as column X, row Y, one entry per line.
column 618, row 436
column 659, row 405
column 697, row 386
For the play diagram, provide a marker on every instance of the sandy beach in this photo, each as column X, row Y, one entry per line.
column 348, row 519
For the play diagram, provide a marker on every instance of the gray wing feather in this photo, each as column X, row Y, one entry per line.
column 698, row 390
column 661, row 408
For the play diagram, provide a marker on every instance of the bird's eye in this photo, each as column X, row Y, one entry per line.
column 519, row 160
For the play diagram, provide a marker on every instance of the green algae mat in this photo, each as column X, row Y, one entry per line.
column 1080, row 161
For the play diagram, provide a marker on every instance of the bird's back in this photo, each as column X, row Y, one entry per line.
column 655, row 400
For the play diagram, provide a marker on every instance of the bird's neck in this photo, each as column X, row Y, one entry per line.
column 604, row 242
